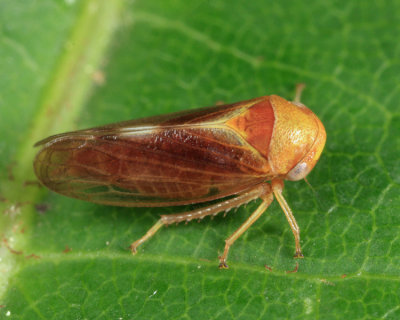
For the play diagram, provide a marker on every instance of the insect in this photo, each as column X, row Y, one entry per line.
column 226, row 152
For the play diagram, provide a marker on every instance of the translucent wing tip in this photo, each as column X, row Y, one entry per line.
column 77, row 135
column 52, row 139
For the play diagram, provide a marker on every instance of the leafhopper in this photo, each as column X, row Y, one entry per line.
column 227, row 152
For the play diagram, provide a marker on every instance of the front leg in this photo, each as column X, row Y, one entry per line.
column 277, row 187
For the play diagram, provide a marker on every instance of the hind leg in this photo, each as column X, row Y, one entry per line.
column 200, row 213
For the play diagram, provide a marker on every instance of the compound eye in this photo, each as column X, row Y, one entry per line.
column 299, row 172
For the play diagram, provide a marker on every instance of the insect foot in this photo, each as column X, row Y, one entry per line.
column 298, row 255
column 222, row 263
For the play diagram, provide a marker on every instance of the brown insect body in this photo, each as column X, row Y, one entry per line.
column 186, row 157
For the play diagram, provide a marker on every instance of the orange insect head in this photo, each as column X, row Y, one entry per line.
column 297, row 140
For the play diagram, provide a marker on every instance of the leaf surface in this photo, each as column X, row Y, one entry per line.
column 76, row 64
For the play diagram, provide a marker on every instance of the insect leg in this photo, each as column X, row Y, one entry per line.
column 148, row 235
column 200, row 213
column 267, row 198
column 277, row 187
column 299, row 90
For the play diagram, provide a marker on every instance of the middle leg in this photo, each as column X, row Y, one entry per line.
column 267, row 197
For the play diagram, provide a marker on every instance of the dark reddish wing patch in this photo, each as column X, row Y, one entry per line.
column 256, row 125
column 185, row 158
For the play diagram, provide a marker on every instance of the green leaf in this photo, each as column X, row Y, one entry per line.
column 75, row 64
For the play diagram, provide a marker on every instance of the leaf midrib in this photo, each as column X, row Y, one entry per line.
column 90, row 35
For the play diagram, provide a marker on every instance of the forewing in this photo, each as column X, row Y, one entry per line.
column 207, row 116
column 173, row 162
